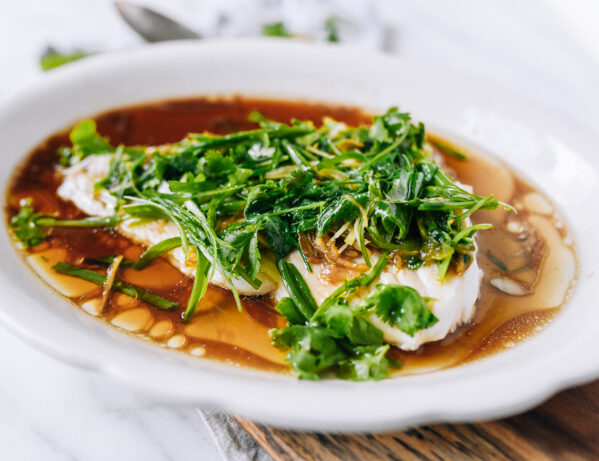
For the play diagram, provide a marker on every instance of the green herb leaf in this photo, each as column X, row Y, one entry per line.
column 24, row 223
column 275, row 29
column 288, row 309
column 346, row 208
column 368, row 363
column 86, row 141
column 345, row 322
column 331, row 26
column 52, row 59
column 402, row 307
column 394, row 220
column 279, row 235
column 313, row 349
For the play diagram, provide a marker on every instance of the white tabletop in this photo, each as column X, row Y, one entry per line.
column 542, row 51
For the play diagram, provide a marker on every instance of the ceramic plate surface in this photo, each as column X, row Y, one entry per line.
column 545, row 149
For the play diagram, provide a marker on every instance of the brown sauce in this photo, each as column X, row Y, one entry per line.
column 533, row 245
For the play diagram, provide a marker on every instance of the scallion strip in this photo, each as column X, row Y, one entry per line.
column 476, row 207
column 297, row 288
column 443, row 266
column 448, row 149
column 93, row 221
column 156, row 251
column 118, row 285
column 108, row 260
column 460, row 235
column 281, row 131
column 200, row 285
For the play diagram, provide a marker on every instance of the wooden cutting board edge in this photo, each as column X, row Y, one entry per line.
column 565, row 427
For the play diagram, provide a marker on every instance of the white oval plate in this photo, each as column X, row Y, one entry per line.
column 546, row 149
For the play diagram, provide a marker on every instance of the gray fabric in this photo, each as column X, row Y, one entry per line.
column 234, row 444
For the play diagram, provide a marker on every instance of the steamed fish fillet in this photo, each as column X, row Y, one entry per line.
column 78, row 187
column 454, row 305
column 455, row 298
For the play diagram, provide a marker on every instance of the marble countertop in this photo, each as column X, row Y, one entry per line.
column 540, row 51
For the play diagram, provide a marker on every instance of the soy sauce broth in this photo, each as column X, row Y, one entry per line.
column 531, row 249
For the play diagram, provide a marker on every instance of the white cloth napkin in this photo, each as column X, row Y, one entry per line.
column 234, row 444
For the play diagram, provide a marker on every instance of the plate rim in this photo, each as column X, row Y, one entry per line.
column 526, row 396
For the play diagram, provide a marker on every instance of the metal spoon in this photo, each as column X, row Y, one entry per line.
column 151, row 25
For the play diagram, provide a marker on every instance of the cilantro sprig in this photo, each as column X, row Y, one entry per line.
column 338, row 337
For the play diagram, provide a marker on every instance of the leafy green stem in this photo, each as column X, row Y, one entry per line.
column 118, row 285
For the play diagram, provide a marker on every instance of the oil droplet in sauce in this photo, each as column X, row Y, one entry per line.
column 198, row 351
column 135, row 320
column 536, row 203
column 161, row 329
column 92, row 307
column 42, row 264
column 531, row 249
column 224, row 323
column 177, row 341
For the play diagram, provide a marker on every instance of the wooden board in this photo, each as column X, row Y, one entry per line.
column 565, row 427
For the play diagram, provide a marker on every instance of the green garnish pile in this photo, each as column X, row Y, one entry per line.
column 240, row 199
